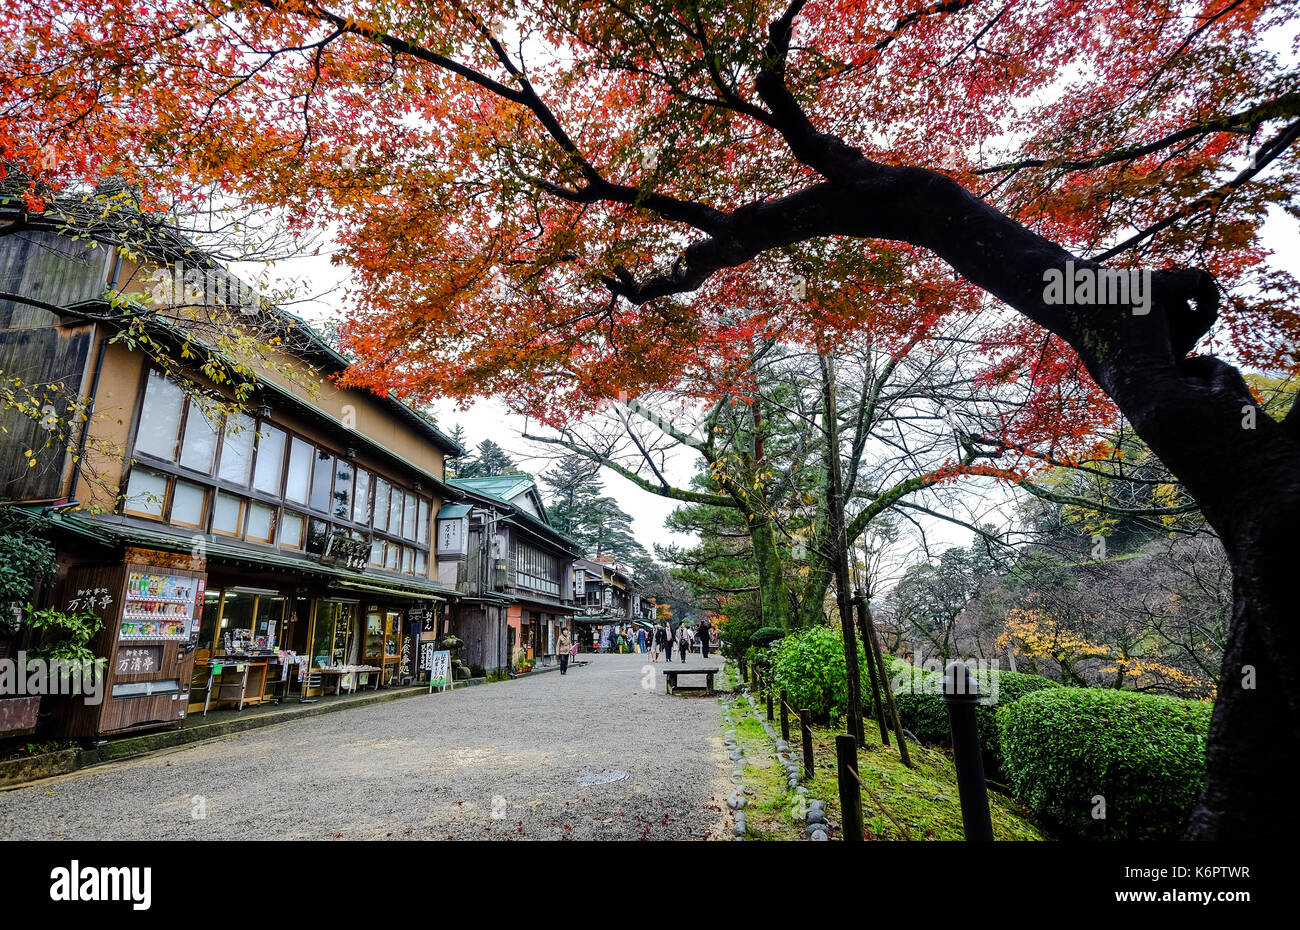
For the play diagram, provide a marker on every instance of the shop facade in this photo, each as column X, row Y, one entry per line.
column 609, row 601
column 512, row 569
column 282, row 548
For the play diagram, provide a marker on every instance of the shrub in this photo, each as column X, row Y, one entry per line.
column 809, row 665
column 1143, row 754
column 765, row 636
column 922, row 710
column 734, row 633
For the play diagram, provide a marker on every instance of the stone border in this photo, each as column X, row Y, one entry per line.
column 813, row 809
column 736, row 800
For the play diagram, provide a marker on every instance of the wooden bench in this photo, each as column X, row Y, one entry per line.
column 670, row 675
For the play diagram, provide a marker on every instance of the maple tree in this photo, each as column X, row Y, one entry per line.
column 553, row 200
column 1035, row 634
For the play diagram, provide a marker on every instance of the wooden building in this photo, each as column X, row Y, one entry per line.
column 513, row 570
column 235, row 556
column 608, row 597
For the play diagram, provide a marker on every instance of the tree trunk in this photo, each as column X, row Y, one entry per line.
column 1250, row 760
column 813, row 597
column 774, row 600
column 839, row 549
column 1243, row 468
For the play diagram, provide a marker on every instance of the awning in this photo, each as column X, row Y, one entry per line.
column 105, row 531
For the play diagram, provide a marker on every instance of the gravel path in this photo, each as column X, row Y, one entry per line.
column 601, row 753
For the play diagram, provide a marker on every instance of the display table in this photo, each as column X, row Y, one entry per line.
column 342, row 671
column 385, row 663
column 238, row 680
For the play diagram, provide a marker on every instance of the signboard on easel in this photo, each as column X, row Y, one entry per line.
column 440, row 670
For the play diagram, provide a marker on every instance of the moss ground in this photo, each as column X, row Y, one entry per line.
column 920, row 803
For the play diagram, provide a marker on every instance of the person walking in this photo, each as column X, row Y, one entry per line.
column 562, row 646
column 668, row 641
column 622, row 643
column 704, row 631
column 640, row 639
column 683, row 640
column 656, row 642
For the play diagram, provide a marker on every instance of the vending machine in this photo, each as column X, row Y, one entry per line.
column 151, row 605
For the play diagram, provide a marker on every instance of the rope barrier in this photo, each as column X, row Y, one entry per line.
column 818, row 740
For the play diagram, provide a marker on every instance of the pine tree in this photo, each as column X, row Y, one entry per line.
column 456, row 467
column 573, row 487
column 489, row 461
column 609, row 532
column 578, row 508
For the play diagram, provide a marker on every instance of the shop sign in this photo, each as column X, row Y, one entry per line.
column 439, row 666
column 138, row 660
column 453, row 535
column 408, row 652
column 342, row 549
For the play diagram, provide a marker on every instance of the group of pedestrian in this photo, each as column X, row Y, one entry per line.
column 663, row 638
column 660, row 638
column 622, row 639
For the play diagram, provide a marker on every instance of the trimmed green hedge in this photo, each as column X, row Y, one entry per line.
column 923, row 712
column 765, row 636
column 809, row 664
column 1144, row 754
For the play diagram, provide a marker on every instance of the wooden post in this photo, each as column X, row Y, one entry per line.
column 785, row 717
column 805, row 724
column 874, row 646
column 839, row 556
column 961, row 694
column 846, row 765
column 875, row 675
column 769, row 703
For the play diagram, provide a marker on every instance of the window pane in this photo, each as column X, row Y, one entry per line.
column 187, row 504
column 317, row 535
column 343, row 489
column 227, row 514
column 146, row 492
column 261, row 522
column 408, row 517
column 270, row 459
column 199, row 449
column 361, row 502
column 381, row 504
column 237, row 449
column 291, row 530
column 376, row 552
column 422, row 531
column 408, row 560
column 160, row 418
column 390, row 556
column 419, row 563
column 300, row 454
column 395, row 512
column 322, row 479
